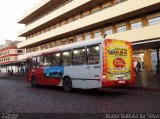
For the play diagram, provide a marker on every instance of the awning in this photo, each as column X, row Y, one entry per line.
column 146, row 44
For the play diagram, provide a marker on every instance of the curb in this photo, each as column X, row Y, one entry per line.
column 151, row 89
column 23, row 78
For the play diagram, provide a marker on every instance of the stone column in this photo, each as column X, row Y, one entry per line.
column 147, row 60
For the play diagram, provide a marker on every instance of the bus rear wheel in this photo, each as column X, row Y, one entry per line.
column 33, row 82
column 67, row 84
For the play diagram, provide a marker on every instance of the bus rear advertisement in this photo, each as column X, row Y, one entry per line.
column 95, row 63
column 117, row 63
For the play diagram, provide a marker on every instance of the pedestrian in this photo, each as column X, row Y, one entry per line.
column 158, row 71
column 22, row 71
column 135, row 66
column 12, row 71
column 138, row 66
column 8, row 72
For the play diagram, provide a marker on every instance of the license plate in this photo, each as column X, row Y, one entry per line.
column 121, row 82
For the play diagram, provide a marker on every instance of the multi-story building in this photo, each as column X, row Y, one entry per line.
column 9, row 55
column 57, row 22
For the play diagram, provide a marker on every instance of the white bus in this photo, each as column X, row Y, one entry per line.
column 90, row 64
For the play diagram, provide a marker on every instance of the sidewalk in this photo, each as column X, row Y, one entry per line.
column 4, row 76
column 146, row 81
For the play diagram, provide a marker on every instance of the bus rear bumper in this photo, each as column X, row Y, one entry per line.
column 119, row 83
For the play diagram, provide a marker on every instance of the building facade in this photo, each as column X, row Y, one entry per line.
column 9, row 55
column 58, row 22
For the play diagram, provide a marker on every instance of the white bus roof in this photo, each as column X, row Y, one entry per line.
column 68, row 46
column 80, row 44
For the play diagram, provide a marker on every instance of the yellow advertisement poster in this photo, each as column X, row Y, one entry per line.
column 118, row 63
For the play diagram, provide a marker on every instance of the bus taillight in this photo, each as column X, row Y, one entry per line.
column 104, row 76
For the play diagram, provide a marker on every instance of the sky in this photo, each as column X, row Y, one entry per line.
column 10, row 11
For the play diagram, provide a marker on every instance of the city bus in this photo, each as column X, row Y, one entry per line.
column 90, row 64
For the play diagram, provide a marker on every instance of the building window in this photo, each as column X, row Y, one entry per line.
column 52, row 27
column 106, row 5
column 85, row 13
column 19, row 51
column 121, row 29
column 58, row 43
column 108, row 32
column 42, row 47
column 57, row 25
column 71, row 40
column 118, row 1
column 153, row 21
column 79, row 38
column 48, row 45
column 97, row 34
column 64, row 41
column 53, row 44
column 87, row 37
column 28, row 50
column 94, row 10
column 70, row 20
column 63, row 22
column 77, row 17
column 136, row 25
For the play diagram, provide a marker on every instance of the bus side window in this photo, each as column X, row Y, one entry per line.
column 40, row 61
column 34, row 62
column 66, row 58
column 47, row 60
column 93, row 54
column 56, row 59
column 79, row 56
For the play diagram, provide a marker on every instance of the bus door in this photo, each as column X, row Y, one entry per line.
column 86, row 63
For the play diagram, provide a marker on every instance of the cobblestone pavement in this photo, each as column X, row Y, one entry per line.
column 20, row 97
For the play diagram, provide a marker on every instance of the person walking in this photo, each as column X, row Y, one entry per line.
column 158, row 71
column 135, row 66
column 138, row 66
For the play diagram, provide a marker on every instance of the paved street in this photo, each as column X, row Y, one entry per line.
column 18, row 96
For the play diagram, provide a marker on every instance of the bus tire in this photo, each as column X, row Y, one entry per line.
column 33, row 82
column 67, row 84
